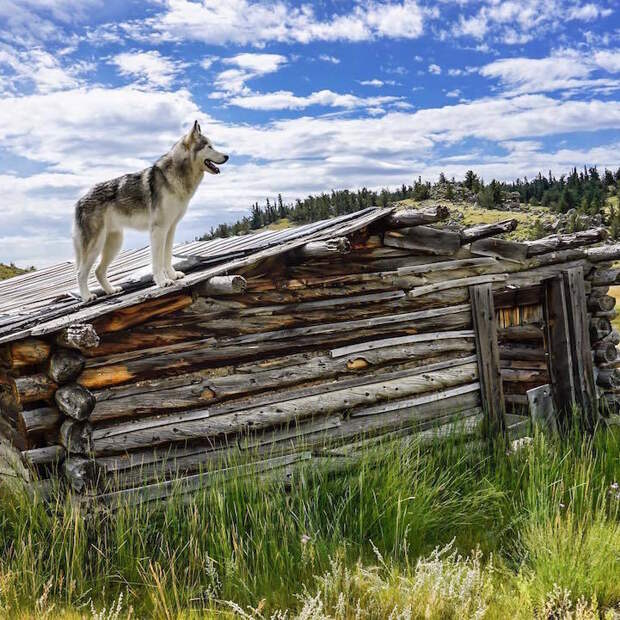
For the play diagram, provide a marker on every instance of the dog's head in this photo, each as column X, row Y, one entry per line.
column 202, row 152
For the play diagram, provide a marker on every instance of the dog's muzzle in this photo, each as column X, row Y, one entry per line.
column 211, row 166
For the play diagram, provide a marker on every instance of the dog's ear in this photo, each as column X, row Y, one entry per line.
column 193, row 135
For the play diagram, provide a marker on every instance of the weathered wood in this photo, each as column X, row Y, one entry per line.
column 80, row 473
column 222, row 285
column 500, row 248
column 483, row 314
column 404, row 218
column 558, row 345
column 541, row 407
column 49, row 455
column 195, row 390
column 449, row 265
column 65, row 365
column 12, row 467
column 605, row 352
column 566, row 241
column 202, row 423
column 580, row 342
column 75, row 401
column 613, row 337
column 419, row 291
column 509, row 351
column 38, row 420
column 604, row 253
column 33, row 388
column 76, row 437
column 603, row 277
column 524, row 375
column 482, row 231
column 522, row 296
column 80, row 336
column 424, row 239
column 598, row 291
column 608, row 377
column 327, row 247
column 28, row 352
column 520, row 333
column 599, row 328
column 140, row 313
column 9, row 396
column 601, row 304
column 390, row 342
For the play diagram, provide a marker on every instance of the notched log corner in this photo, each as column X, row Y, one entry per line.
column 80, row 336
column 75, row 401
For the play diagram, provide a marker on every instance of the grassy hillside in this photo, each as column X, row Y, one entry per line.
column 8, row 271
column 446, row 532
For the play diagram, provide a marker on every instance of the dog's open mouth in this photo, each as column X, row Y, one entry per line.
column 211, row 166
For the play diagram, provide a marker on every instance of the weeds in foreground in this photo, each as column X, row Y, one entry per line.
column 392, row 538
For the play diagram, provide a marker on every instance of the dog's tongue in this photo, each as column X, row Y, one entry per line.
column 212, row 166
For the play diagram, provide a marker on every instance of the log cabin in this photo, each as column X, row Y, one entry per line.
column 303, row 345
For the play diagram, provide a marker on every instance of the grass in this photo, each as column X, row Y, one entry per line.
column 441, row 532
column 477, row 215
column 8, row 271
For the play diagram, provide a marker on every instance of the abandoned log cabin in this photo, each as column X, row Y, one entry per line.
column 299, row 345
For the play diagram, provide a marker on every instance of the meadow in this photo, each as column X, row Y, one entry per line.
column 449, row 530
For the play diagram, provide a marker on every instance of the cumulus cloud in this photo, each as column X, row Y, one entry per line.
column 434, row 69
column 148, row 67
column 252, row 22
column 38, row 69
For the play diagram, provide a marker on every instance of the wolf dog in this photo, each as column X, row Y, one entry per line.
column 154, row 199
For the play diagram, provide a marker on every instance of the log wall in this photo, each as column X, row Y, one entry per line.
column 292, row 359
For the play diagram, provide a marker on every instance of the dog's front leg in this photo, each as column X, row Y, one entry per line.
column 172, row 273
column 158, row 248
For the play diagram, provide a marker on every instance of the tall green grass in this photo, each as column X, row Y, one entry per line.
column 536, row 528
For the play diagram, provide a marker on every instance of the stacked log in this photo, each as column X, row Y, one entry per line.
column 604, row 338
column 366, row 334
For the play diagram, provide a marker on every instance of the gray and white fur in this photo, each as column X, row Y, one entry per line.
column 154, row 199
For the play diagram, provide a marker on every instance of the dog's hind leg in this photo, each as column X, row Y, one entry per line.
column 111, row 248
column 87, row 257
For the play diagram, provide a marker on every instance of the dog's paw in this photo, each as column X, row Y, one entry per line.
column 113, row 290
column 163, row 281
column 88, row 297
column 173, row 274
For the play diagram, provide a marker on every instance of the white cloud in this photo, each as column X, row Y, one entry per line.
column 515, row 22
column 207, row 62
column 373, row 82
column 564, row 70
column 328, row 58
column 37, row 68
column 247, row 66
column 286, row 100
column 148, row 67
column 252, row 22
column 588, row 12
column 434, row 69
column 456, row 93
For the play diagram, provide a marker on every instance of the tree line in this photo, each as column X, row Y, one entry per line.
column 586, row 190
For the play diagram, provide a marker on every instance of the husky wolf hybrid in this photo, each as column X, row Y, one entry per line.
column 155, row 200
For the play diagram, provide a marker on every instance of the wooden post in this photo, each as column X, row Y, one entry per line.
column 540, row 400
column 485, row 326
column 558, row 347
column 583, row 370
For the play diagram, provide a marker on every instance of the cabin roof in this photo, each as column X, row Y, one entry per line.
column 47, row 300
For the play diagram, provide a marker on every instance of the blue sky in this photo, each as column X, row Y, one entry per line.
column 304, row 96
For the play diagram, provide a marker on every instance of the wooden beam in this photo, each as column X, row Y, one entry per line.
column 500, row 248
column 583, row 370
column 65, row 365
column 483, row 314
column 540, row 400
column 75, row 401
column 419, row 291
column 338, row 246
column 522, row 296
column 222, row 285
column 483, row 231
column 403, row 218
column 559, row 347
column 80, row 336
column 424, row 239
column 49, row 455
column 554, row 243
